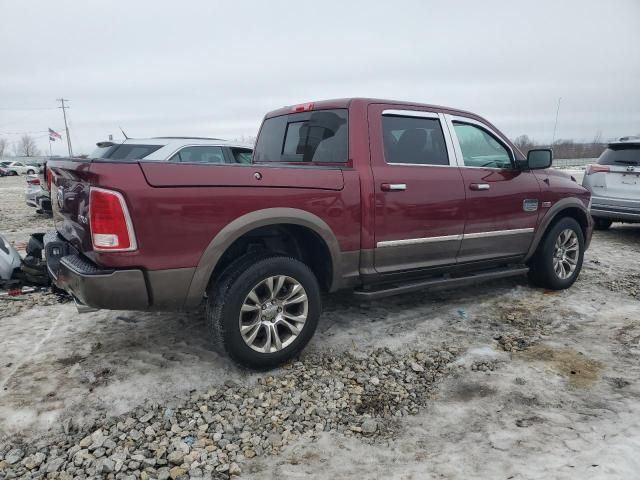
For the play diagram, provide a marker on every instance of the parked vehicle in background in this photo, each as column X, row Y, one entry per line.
column 20, row 168
column 36, row 195
column 614, row 183
column 3, row 172
column 376, row 196
column 34, row 165
column 32, row 189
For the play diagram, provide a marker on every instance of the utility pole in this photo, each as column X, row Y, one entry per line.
column 553, row 139
column 66, row 127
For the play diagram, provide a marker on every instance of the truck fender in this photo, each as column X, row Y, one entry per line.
column 250, row 221
column 556, row 211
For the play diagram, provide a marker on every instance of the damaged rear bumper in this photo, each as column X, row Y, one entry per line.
column 91, row 285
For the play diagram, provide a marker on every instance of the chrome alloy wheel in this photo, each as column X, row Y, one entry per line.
column 273, row 314
column 566, row 253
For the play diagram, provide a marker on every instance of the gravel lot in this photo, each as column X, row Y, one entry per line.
column 494, row 381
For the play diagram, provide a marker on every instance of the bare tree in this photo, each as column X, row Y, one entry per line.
column 524, row 143
column 4, row 147
column 27, row 147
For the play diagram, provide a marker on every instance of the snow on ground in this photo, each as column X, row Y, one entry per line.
column 547, row 385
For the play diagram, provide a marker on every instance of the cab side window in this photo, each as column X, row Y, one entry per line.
column 480, row 148
column 413, row 140
column 203, row 154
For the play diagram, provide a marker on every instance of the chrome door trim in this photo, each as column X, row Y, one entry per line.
column 414, row 241
column 447, row 238
column 498, row 233
column 397, row 187
column 449, row 119
column 411, row 113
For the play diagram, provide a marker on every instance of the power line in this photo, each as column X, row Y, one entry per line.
column 66, row 126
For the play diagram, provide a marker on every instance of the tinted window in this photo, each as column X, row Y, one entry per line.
column 242, row 155
column 199, row 155
column 320, row 136
column 480, row 148
column 414, row 140
column 125, row 151
column 620, row 155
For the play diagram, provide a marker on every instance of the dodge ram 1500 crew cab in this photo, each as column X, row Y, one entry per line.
column 376, row 196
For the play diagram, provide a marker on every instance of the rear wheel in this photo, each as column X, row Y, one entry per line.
column 264, row 310
column 601, row 223
column 558, row 260
column 30, row 172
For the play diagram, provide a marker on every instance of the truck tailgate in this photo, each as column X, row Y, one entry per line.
column 163, row 174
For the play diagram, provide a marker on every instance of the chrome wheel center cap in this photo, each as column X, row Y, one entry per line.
column 270, row 311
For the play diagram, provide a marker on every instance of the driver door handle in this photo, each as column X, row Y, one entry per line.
column 479, row 186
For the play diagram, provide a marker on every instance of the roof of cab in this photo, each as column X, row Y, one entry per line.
column 350, row 102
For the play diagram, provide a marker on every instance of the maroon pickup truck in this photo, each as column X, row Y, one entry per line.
column 376, row 196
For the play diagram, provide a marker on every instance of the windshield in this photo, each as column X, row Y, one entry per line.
column 620, row 155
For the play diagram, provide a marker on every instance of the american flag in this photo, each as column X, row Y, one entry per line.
column 53, row 135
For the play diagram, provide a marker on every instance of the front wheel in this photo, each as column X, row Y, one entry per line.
column 558, row 260
column 30, row 172
column 264, row 310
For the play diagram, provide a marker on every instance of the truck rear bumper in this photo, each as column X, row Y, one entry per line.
column 114, row 289
column 98, row 288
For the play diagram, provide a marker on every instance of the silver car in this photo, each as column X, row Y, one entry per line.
column 614, row 183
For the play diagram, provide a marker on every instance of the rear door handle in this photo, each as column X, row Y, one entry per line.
column 393, row 187
column 479, row 186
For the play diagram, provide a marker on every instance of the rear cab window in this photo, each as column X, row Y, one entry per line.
column 308, row 137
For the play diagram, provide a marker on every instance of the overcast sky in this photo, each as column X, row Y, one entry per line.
column 213, row 68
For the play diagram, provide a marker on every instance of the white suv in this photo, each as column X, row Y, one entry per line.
column 175, row 149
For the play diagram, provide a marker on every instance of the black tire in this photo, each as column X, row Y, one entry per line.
column 541, row 267
column 13, row 173
column 601, row 223
column 228, row 294
column 35, row 245
column 30, row 172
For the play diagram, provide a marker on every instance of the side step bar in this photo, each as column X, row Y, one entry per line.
column 438, row 283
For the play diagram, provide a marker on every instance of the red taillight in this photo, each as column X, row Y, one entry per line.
column 596, row 168
column 306, row 107
column 33, row 181
column 111, row 228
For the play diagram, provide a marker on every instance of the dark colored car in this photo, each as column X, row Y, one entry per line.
column 376, row 196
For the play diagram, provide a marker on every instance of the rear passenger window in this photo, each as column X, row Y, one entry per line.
column 414, row 140
column 202, row 154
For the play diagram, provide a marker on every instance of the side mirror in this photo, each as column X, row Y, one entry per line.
column 539, row 159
